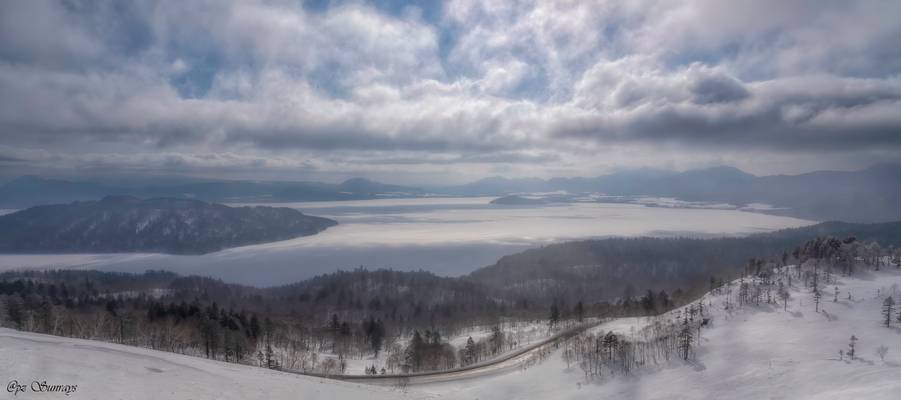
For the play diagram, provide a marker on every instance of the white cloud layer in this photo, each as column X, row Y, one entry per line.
column 515, row 88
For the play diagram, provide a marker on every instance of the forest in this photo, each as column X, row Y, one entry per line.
column 319, row 325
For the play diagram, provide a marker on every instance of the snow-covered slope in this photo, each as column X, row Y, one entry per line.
column 753, row 353
column 109, row 371
column 757, row 352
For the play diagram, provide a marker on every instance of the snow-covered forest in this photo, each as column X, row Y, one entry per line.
column 389, row 323
column 825, row 311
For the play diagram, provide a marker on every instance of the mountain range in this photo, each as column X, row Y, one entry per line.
column 869, row 195
column 32, row 190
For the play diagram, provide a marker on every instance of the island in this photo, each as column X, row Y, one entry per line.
column 514, row 200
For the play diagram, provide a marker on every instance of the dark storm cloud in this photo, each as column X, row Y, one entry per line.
column 822, row 113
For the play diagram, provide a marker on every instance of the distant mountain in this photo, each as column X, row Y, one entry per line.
column 28, row 191
column 31, row 190
column 869, row 195
column 495, row 186
column 128, row 224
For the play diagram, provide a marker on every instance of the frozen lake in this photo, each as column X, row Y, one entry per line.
column 449, row 236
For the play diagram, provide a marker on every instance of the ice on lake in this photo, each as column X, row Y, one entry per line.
column 449, row 236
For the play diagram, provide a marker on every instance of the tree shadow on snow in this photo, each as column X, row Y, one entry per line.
column 797, row 314
column 829, row 317
column 696, row 365
column 764, row 307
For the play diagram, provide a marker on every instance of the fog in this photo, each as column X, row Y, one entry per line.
column 448, row 236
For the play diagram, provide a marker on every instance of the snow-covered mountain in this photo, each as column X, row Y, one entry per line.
column 129, row 224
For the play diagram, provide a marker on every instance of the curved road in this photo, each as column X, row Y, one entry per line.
column 501, row 364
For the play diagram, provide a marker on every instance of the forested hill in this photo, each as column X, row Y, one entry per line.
column 165, row 225
column 605, row 269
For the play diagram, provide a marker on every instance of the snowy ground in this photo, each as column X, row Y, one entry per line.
column 754, row 353
column 523, row 333
column 109, row 371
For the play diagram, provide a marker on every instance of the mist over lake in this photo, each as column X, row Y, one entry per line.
column 448, row 236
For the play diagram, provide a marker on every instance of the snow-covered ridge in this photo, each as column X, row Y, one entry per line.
column 779, row 349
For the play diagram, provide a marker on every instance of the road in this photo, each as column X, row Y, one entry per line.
column 504, row 363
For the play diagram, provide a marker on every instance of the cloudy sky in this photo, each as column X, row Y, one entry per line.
column 446, row 91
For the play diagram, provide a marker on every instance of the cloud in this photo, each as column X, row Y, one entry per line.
column 520, row 86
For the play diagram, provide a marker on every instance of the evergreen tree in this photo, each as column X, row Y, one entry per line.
column 888, row 310
column 580, row 311
column 254, row 326
column 851, row 344
column 469, row 351
column 554, row 317
column 413, row 352
column 648, row 302
column 610, row 344
column 496, row 340
column 816, row 298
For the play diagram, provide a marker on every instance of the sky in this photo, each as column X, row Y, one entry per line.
column 446, row 91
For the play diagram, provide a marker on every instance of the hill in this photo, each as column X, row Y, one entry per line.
column 128, row 224
column 606, row 269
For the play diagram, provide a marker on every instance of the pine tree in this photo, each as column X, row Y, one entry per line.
column 554, row 318
column 412, row 353
column 470, row 351
column 610, row 343
column 580, row 311
column 816, row 298
column 496, row 340
column 851, row 344
column 888, row 310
